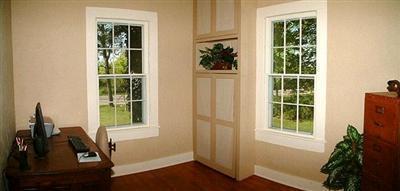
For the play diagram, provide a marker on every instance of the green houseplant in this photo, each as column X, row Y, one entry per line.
column 345, row 163
column 218, row 58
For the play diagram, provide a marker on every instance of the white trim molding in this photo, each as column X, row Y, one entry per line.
column 150, row 128
column 287, row 179
column 126, row 169
column 297, row 9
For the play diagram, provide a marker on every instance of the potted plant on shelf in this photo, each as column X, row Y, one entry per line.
column 218, row 58
column 345, row 163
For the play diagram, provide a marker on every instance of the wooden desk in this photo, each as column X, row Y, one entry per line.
column 60, row 169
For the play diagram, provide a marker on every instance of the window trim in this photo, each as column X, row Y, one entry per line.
column 151, row 129
column 316, row 142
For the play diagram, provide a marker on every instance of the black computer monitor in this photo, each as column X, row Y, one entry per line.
column 39, row 133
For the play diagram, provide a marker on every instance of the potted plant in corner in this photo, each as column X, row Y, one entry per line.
column 345, row 163
column 218, row 58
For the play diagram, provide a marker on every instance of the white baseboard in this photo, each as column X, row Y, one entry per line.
column 287, row 179
column 126, row 169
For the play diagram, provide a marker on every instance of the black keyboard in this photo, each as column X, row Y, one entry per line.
column 77, row 144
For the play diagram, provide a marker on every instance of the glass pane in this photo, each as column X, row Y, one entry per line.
column 123, row 114
column 277, row 86
column 293, row 33
column 309, row 31
column 104, row 65
column 136, row 36
column 136, row 61
column 123, row 91
column 120, row 36
column 306, row 119
column 308, row 60
column 106, row 90
column 121, row 61
column 306, row 91
column 104, row 33
column 292, row 60
column 107, row 114
column 278, row 60
column 276, row 116
column 138, row 88
column 278, row 33
column 290, row 90
column 137, row 112
column 289, row 117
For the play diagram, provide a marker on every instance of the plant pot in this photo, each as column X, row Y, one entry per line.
column 222, row 66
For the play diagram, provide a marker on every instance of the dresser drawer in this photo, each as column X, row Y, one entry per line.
column 379, row 158
column 381, row 119
column 372, row 183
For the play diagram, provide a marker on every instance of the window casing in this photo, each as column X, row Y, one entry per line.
column 291, row 75
column 122, row 82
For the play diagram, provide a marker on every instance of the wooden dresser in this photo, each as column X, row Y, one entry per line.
column 381, row 142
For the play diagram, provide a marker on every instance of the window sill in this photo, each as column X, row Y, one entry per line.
column 290, row 140
column 132, row 133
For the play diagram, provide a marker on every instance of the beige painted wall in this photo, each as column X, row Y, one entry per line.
column 7, row 120
column 50, row 66
column 363, row 46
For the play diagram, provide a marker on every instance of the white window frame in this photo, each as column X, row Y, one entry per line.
column 315, row 142
column 149, row 20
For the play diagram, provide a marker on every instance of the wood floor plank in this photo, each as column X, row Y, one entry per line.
column 192, row 176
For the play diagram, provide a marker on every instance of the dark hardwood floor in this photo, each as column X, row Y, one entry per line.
column 191, row 176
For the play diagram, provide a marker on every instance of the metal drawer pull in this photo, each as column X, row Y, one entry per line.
column 379, row 109
column 377, row 124
column 376, row 148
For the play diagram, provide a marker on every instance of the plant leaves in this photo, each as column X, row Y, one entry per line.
column 352, row 184
column 345, row 163
column 353, row 133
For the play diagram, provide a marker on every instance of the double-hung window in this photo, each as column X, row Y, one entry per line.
column 122, row 72
column 121, row 78
column 291, row 73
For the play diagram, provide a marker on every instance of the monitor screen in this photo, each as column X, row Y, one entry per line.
column 39, row 128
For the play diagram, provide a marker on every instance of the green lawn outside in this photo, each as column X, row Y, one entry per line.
column 107, row 117
column 304, row 126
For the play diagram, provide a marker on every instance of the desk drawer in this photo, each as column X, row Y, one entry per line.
column 95, row 180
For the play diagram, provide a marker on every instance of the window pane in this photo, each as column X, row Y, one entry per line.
column 308, row 60
column 106, row 90
column 306, row 122
column 104, row 65
column 292, row 60
column 277, row 86
column 107, row 115
column 309, row 31
column 278, row 33
column 123, row 114
column 293, row 33
column 276, row 116
column 123, row 91
column 289, row 117
column 104, row 33
column 136, row 36
column 136, row 61
column 290, row 90
column 121, row 61
column 137, row 112
column 138, row 88
column 278, row 60
column 306, row 91
column 120, row 36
